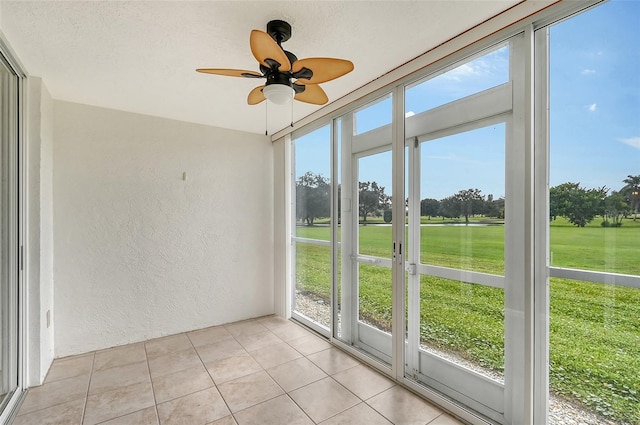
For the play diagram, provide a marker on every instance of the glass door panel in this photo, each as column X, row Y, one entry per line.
column 456, row 236
column 366, row 279
column 463, row 319
column 461, row 267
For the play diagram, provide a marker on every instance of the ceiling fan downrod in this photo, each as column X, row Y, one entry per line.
column 279, row 30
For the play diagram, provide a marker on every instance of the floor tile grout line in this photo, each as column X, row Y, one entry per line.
column 233, row 414
column 20, row 413
column 431, row 421
column 376, row 410
column 306, row 385
column 216, row 385
column 86, row 398
column 153, row 391
column 284, row 392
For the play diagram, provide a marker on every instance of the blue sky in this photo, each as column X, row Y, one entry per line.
column 594, row 109
column 595, row 96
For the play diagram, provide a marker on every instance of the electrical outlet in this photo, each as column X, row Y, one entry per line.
column 48, row 318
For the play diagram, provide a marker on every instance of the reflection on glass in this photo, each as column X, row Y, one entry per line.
column 594, row 327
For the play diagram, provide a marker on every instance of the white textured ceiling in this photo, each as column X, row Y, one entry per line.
column 140, row 56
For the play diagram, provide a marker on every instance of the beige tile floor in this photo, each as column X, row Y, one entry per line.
column 262, row 371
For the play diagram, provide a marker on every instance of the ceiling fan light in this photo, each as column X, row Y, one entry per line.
column 279, row 94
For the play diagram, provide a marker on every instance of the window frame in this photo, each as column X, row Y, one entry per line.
column 533, row 397
column 17, row 218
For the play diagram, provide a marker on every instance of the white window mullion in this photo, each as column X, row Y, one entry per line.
column 541, row 225
column 413, row 261
column 519, row 240
column 398, row 303
column 348, row 237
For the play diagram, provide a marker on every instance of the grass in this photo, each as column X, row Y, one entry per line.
column 594, row 328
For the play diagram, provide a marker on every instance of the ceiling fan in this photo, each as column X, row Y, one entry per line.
column 287, row 77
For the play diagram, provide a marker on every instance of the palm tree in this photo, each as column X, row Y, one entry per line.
column 633, row 190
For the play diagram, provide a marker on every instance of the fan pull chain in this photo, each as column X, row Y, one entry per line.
column 266, row 118
column 291, row 113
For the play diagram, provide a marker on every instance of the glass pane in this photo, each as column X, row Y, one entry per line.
column 594, row 182
column 312, row 262
column 374, row 300
column 373, row 116
column 312, row 178
column 462, row 215
column 594, row 355
column 487, row 71
column 374, row 204
column 464, row 323
column 313, row 282
column 8, row 285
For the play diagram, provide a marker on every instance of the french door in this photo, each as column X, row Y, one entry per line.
column 453, row 273
column 366, row 233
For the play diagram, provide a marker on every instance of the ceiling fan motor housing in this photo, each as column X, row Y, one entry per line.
column 279, row 30
column 276, row 77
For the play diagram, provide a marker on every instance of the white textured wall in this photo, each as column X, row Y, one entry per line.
column 141, row 253
column 40, row 228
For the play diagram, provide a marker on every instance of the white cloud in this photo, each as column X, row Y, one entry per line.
column 409, row 114
column 592, row 107
column 477, row 67
column 588, row 71
column 634, row 142
column 456, row 74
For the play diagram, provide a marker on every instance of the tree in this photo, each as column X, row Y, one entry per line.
column 615, row 207
column 372, row 200
column 493, row 207
column 577, row 204
column 429, row 207
column 449, row 207
column 632, row 192
column 312, row 197
column 471, row 202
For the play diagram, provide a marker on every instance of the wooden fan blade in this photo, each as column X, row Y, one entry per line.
column 256, row 96
column 230, row 72
column 264, row 47
column 312, row 93
column 324, row 69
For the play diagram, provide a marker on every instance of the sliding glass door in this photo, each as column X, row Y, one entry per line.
column 9, row 260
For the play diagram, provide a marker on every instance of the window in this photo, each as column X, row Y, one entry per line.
column 506, row 239
column 312, row 231
column 594, row 179
column 9, row 243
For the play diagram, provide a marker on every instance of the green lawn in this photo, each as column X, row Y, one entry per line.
column 594, row 329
